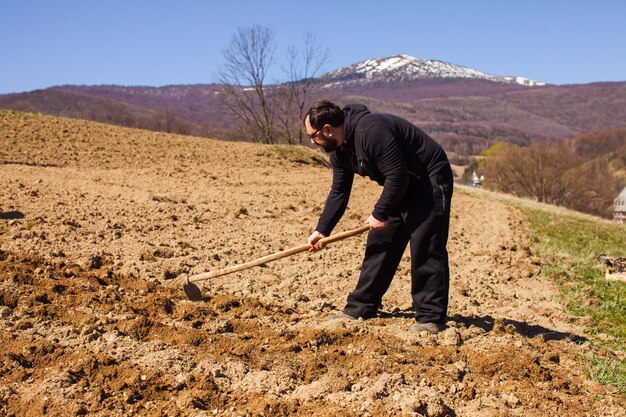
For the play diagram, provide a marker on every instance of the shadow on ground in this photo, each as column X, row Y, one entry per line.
column 489, row 324
column 11, row 215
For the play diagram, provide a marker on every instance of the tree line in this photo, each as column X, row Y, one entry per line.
column 584, row 174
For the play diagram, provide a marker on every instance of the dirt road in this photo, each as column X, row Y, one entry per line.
column 96, row 220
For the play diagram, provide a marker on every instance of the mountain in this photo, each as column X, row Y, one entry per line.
column 400, row 68
column 465, row 109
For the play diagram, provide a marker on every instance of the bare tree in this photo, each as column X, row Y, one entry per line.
column 303, row 65
column 165, row 120
column 248, row 58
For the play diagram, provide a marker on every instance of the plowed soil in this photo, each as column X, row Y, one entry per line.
column 99, row 223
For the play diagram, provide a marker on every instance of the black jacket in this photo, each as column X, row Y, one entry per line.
column 388, row 149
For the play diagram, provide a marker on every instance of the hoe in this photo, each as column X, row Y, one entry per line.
column 193, row 292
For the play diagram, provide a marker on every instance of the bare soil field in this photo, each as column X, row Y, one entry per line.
column 97, row 222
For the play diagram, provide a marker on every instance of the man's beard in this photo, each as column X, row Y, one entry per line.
column 327, row 144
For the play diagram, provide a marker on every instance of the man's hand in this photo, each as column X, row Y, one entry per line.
column 314, row 241
column 375, row 224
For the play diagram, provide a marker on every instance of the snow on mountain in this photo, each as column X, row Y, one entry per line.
column 405, row 67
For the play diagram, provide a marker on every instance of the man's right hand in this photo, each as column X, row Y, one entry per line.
column 314, row 241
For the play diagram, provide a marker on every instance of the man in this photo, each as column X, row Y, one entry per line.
column 414, row 205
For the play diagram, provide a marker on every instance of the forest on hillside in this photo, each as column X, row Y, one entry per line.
column 585, row 173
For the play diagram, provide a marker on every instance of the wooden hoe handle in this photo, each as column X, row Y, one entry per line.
column 274, row 256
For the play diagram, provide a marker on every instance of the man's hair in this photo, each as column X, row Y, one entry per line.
column 324, row 112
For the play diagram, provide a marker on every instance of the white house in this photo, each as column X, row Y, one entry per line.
column 476, row 180
column 619, row 207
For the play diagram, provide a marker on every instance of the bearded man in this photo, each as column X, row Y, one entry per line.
column 414, row 206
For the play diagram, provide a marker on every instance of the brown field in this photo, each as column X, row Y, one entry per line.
column 96, row 223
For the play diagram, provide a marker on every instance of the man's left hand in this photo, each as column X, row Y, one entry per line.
column 375, row 224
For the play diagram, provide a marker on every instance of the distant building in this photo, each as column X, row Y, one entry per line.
column 476, row 180
column 619, row 207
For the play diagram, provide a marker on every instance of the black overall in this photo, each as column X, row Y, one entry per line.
column 417, row 191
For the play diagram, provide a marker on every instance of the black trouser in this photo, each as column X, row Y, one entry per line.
column 423, row 219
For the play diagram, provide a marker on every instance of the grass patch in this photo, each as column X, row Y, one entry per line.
column 568, row 247
column 299, row 154
column 608, row 371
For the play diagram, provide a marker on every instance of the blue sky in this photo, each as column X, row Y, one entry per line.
column 141, row 42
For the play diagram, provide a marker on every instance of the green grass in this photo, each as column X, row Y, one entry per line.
column 568, row 246
column 299, row 154
column 608, row 371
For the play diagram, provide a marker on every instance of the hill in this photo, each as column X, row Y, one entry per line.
column 471, row 123
column 466, row 109
column 103, row 104
column 95, row 219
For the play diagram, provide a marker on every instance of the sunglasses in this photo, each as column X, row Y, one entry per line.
column 312, row 135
